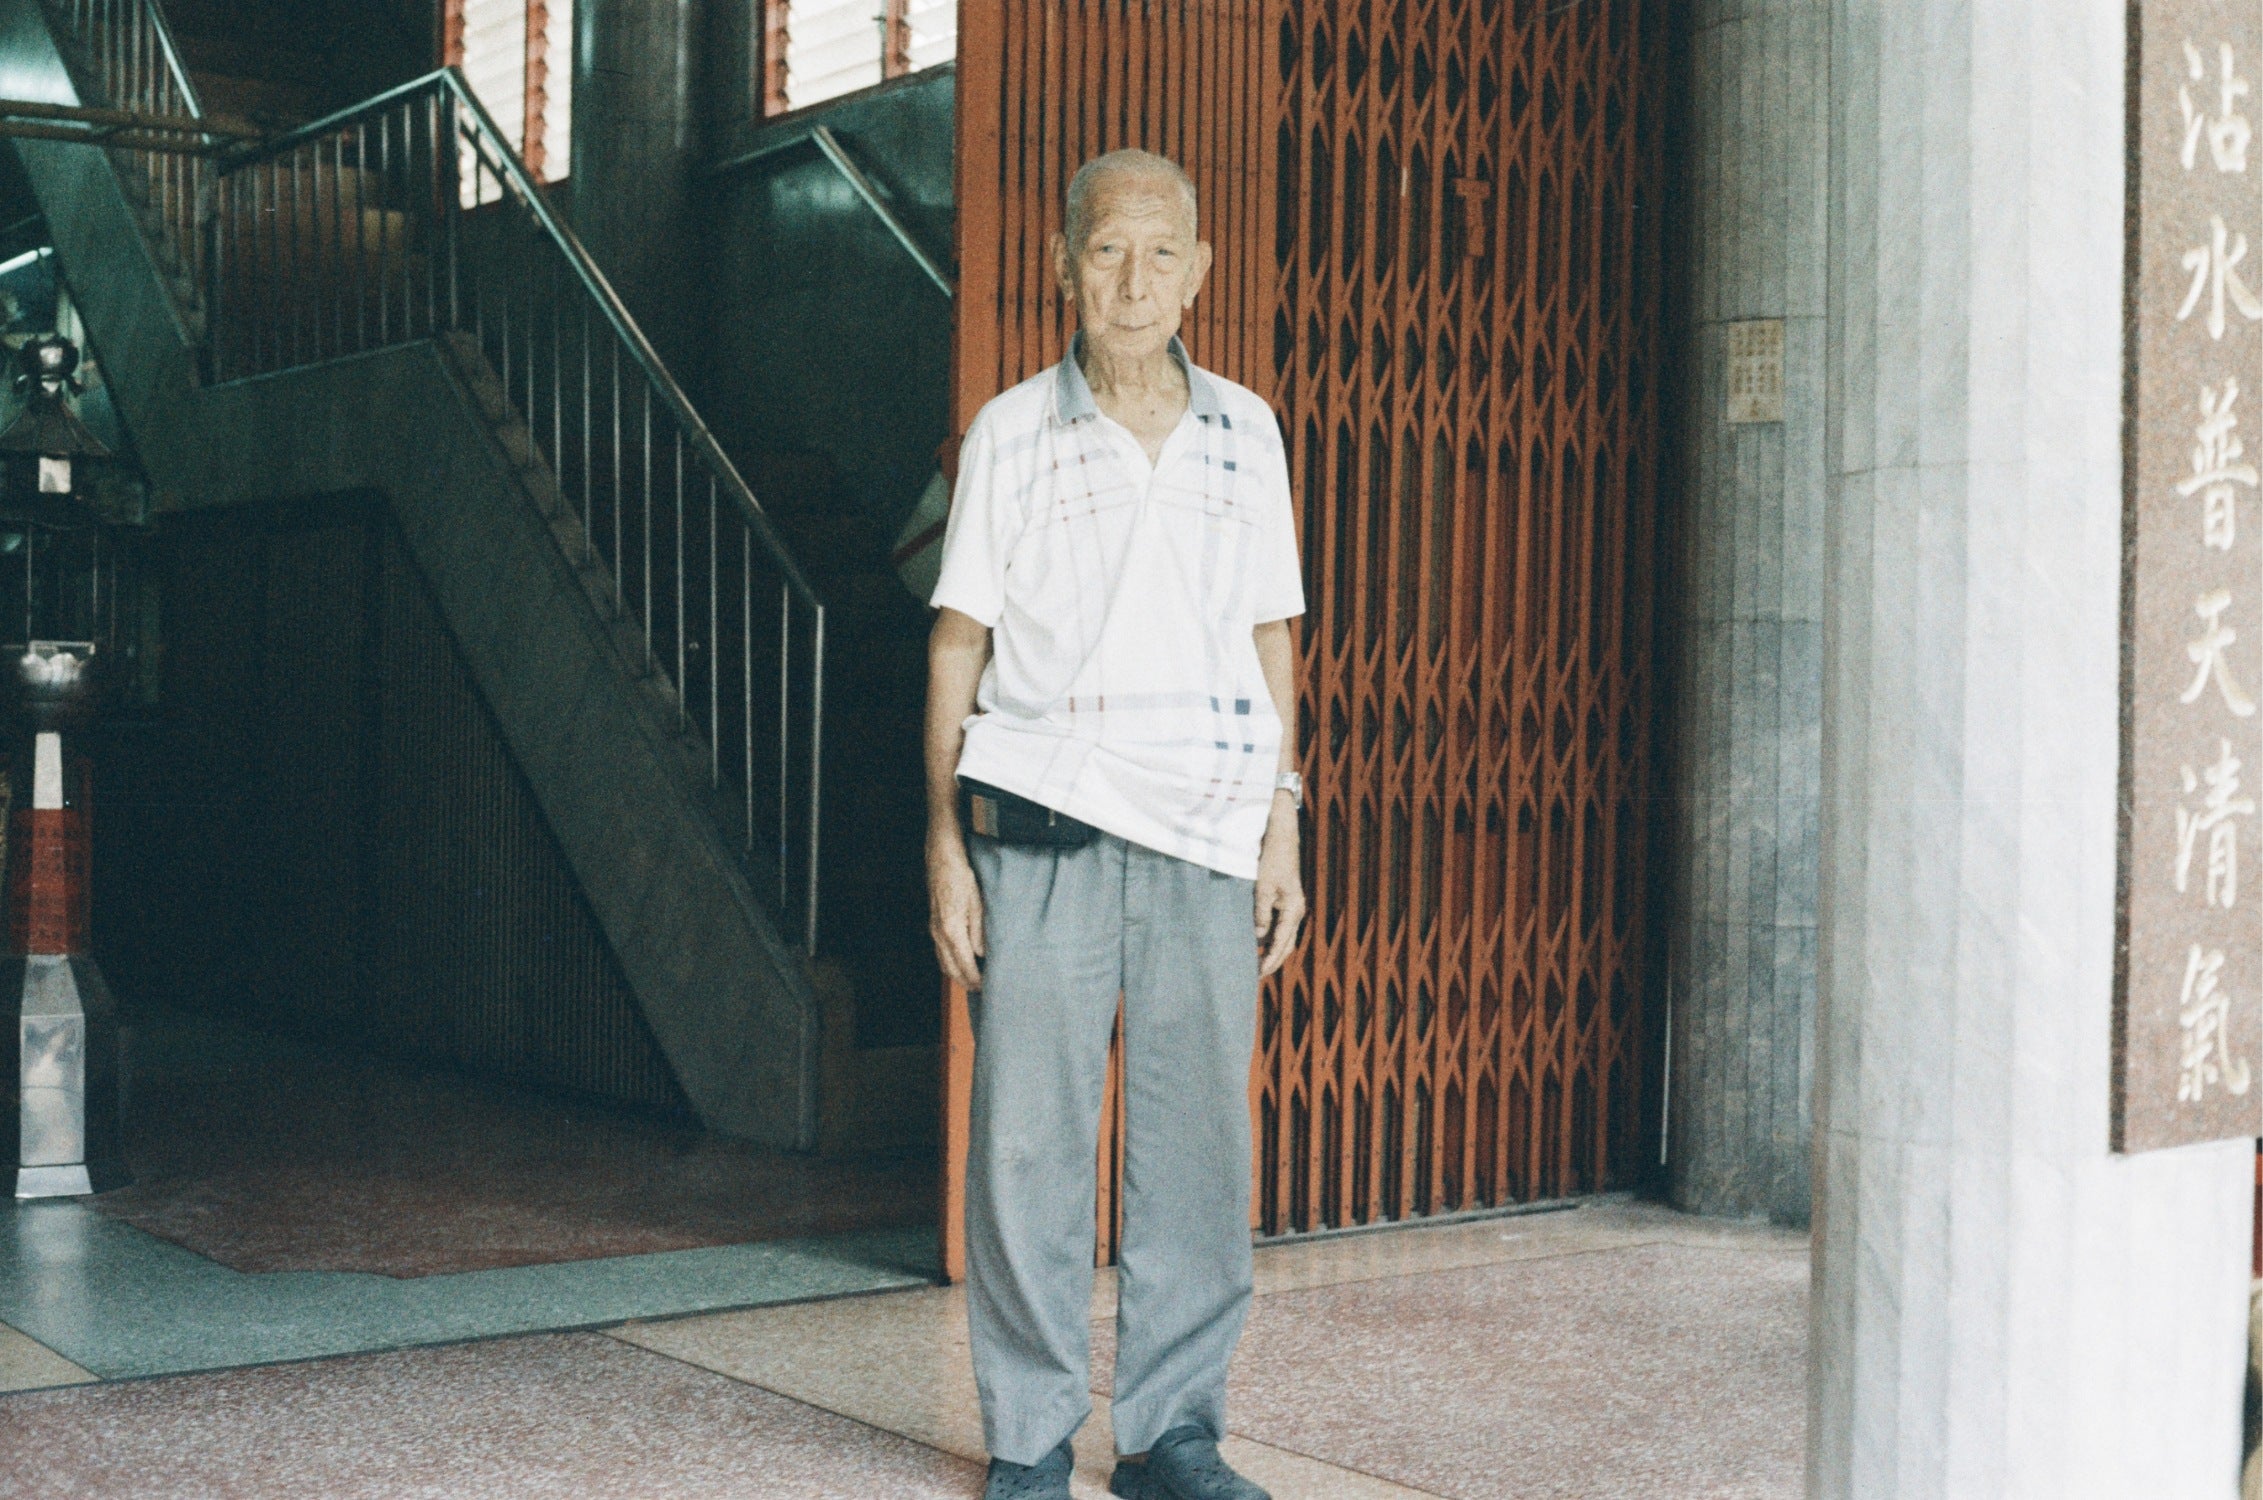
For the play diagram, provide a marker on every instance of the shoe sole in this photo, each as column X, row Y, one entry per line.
column 1130, row 1483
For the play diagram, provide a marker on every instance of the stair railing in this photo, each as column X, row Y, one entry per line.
column 129, row 50
column 409, row 217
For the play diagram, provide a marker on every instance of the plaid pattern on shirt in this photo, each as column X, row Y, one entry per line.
column 1123, row 686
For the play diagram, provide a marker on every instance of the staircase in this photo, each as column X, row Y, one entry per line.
column 383, row 302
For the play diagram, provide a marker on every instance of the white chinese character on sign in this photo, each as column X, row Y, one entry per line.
column 2216, row 466
column 2207, row 654
column 2220, row 804
column 2204, row 1011
column 2227, row 131
column 2215, row 275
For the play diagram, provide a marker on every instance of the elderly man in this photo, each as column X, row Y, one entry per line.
column 1111, row 806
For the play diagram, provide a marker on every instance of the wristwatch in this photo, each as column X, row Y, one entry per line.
column 1293, row 784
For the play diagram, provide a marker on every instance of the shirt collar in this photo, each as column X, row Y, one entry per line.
column 1072, row 394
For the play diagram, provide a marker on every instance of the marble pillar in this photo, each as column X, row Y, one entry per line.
column 636, row 138
column 1748, row 627
column 2002, row 1307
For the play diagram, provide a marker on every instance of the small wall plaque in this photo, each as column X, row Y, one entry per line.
column 1756, row 371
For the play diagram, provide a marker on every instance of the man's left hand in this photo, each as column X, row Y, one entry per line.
column 1280, row 892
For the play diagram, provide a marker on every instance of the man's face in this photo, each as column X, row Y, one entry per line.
column 1139, row 267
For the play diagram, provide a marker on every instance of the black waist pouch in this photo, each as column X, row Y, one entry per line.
column 1017, row 820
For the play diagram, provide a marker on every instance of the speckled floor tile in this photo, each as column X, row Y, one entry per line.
column 900, row 1363
column 571, row 1416
column 1656, row 1370
column 1689, row 1285
column 122, row 1303
column 1601, row 1224
column 26, row 1364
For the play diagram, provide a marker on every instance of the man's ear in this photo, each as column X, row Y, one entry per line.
column 1201, row 271
column 1058, row 247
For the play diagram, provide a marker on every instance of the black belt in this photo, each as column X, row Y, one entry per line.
column 1009, row 819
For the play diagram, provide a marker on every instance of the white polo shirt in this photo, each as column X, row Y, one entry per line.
column 1123, row 687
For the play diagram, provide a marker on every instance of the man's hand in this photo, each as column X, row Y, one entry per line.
column 956, row 654
column 1280, row 889
column 954, row 914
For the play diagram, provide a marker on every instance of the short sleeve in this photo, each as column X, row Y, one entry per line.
column 1279, row 591
column 980, row 533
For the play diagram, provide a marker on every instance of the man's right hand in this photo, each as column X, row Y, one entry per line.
column 957, row 652
column 954, row 914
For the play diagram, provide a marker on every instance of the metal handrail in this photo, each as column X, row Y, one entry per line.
column 173, row 63
column 860, row 182
column 593, row 279
column 861, row 185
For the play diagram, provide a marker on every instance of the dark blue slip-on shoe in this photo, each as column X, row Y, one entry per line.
column 1183, row 1465
column 1047, row 1479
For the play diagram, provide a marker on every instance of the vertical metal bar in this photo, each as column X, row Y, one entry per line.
column 588, row 514
column 714, row 643
column 384, row 229
column 252, row 276
column 645, row 459
column 683, row 684
column 339, row 279
column 216, row 311
column 270, row 269
column 816, row 764
column 478, row 263
column 361, row 234
column 746, row 667
column 444, row 101
column 785, row 741
column 311, row 255
column 435, row 194
column 293, row 275
column 557, row 381
column 620, row 593
column 503, row 269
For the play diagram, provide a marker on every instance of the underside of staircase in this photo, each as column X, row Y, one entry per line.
column 727, row 996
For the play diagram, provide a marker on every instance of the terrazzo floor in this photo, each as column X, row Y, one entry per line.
column 293, row 1202
column 267, row 1154
column 1609, row 1351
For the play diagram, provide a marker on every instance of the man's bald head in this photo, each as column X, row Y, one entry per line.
column 1102, row 172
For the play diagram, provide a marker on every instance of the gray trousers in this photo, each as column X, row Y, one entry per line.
column 1067, row 931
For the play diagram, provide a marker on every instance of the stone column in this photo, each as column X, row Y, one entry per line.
column 635, row 136
column 1749, row 626
column 2002, row 1307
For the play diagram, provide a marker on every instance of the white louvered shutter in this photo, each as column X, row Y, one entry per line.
column 834, row 47
column 494, row 60
column 934, row 28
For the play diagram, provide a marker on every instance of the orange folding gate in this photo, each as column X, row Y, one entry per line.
column 1439, row 243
